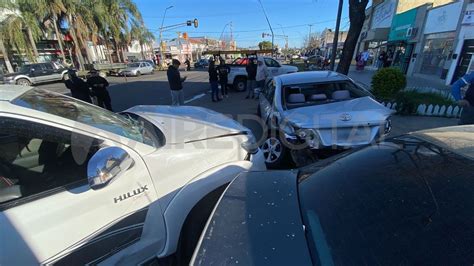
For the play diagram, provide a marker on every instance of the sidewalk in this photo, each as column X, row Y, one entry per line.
column 416, row 81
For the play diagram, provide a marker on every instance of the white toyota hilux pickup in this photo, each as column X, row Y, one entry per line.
column 82, row 185
column 238, row 74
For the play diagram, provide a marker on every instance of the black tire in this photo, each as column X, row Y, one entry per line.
column 23, row 82
column 279, row 155
column 240, row 84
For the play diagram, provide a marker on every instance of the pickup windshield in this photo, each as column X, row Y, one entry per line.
column 126, row 125
column 301, row 95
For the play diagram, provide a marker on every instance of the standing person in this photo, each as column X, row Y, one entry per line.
column 79, row 88
column 187, row 63
column 359, row 62
column 251, row 69
column 262, row 73
column 213, row 80
column 99, row 86
column 176, row 83
column 382, row 60
column 467, row 115
column 223, row 71
column 388, row 62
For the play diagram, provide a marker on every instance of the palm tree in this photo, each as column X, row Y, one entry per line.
column 18, row 22
column 50, row 10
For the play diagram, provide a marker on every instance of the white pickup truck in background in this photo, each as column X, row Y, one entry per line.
column 238, row 75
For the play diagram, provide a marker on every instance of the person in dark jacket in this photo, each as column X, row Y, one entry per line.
column 99, row 86
column 79, row 88
column 213, row 80
column 176, row 83
column 223, row 71
column 251, row 69
column 187, row 63
column 467, row 103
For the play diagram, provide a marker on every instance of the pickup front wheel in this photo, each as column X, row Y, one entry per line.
column 240, row 84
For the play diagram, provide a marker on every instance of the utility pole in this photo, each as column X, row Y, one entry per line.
column 231, row 37
column 269, row 25
column 336, row 35
column 161, row 36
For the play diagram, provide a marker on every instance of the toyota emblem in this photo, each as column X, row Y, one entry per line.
column 345, row 117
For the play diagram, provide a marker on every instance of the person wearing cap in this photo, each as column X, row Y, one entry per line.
column 466, row 102
column 79, row 88
column 99, row 86
column 176, row 83
column 213, row 80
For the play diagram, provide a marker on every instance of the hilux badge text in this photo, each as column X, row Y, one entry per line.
column 133, row 193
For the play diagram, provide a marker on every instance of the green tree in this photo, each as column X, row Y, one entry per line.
column 265, row 45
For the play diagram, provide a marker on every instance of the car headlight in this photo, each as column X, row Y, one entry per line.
column 388, row 126
column 310, row 137
column 250, row 145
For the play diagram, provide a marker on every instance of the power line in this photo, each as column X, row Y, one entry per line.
column 258, row 30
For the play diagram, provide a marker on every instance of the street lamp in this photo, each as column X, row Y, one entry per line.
column 161, row 35
column 270, row 25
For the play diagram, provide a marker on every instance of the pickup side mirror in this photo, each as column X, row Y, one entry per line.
column 107, row 164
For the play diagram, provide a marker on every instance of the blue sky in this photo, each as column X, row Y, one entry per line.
column 289, row 16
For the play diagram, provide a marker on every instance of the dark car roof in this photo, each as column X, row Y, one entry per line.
column 257, row 222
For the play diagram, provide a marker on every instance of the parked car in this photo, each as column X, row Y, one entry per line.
column 318, row 111
column 82, row 185
column 201, row 63
column 149, row 62
column 137, row 69
column 36, row 73
column 238, row 75
column 404, row 201
column 315, row 62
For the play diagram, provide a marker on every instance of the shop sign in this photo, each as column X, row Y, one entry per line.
column 383, row 14
column 443, row 19
column 468, row 17
column 401, row 25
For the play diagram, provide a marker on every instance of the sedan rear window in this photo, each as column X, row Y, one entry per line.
column 300, row 95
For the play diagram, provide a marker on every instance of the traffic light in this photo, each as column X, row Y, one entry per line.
column 189, row 23
column 196, row 23
column 263, row 35
column 185, row 35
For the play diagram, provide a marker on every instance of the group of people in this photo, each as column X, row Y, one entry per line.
column 95, row 86
column 218, row 75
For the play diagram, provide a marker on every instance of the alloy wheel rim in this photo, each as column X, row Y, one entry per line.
column 272, row 149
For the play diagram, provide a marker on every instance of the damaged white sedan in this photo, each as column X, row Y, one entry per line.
column 310, row 115
column 82, row 185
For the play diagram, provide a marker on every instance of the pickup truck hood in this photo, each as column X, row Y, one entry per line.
column 188, row 123
column 357, row 112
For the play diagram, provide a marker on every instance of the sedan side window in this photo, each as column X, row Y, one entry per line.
column 37, row 160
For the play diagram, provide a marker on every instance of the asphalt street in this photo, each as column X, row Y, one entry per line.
column 154, row 90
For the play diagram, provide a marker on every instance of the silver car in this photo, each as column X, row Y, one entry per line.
column 136, row 69
column 310, row 115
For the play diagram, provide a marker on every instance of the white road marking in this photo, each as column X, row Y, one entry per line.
column 195, row 98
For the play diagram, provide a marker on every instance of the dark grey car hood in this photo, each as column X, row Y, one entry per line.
column 256, row 222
